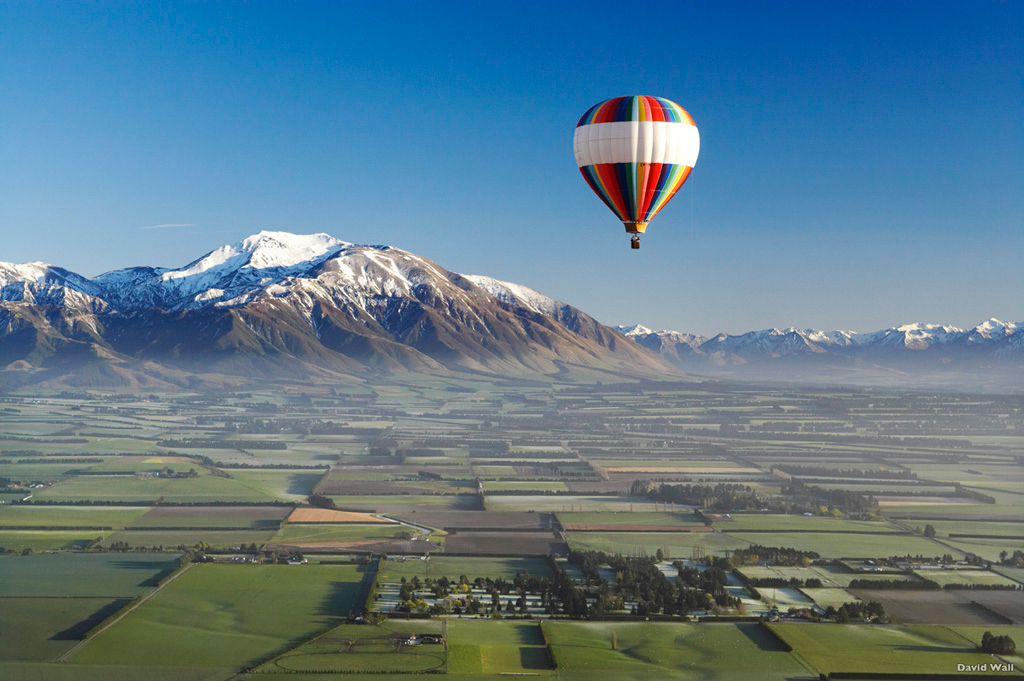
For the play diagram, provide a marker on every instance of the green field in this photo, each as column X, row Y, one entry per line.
column 830, row 545
column 171, row 538
column 538, row 485
column 827, row 597
column 974, row 577
column 486, row 647
column 659, row 519
column 854, row 648
column 451, row 567
column 229, row 616
column 43, row 628
column 755, row 522
column 109, row 575
column 674, row 544
column 353, row 648
column 27, row 515
column 47, row 540
column 664, row 650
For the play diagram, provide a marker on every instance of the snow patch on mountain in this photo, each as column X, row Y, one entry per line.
column 517, row 294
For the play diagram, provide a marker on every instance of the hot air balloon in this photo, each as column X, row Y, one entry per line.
column 635, row 152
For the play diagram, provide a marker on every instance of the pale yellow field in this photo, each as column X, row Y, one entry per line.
column 325, row 515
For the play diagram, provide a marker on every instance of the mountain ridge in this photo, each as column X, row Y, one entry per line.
column 278, row 303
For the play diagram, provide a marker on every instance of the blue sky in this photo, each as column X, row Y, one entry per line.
column 861, row 164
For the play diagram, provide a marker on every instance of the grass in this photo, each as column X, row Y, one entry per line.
column 27, row 515
column 440, row 566
column 353, row 648
column 757, row 521
column 846, row 545
column 44, row 628
column 827, row 597
column 495, row 647
column 943, row 577
column 855, row 648
column 648, row 650
column 47, row 540
column 675, row 544
column 539, row 485
column 563, row 503
column 170, row 538
column 229, row 615
column 109, row 575
column 55, row 671
column 663, row 519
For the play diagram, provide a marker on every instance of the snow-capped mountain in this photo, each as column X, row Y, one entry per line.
column 276, row 298
column 992, row 341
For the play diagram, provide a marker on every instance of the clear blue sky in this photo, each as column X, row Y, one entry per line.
column 862, row 164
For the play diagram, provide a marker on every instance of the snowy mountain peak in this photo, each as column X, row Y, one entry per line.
column 517, row 294
column 635, row 330
column 266, row 250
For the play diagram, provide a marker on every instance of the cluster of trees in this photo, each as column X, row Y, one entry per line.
column 776, row 555
column 1016, row 559
column 998, row 645
column 919, row 584
column 822, row 472
column 848, row 612
column 723, row 497
column 639, row 580
column 321, row 501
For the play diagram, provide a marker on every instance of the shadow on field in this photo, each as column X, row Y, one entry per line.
column 77, row 631
column 762, row 637
column 534, row 658
column 303, row 483
column 527, row 635
column 153, row 580
column 340, row 599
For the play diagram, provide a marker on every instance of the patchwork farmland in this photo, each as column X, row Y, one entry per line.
column 476, row 529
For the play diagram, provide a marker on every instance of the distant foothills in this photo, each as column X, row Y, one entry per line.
column 312, row 307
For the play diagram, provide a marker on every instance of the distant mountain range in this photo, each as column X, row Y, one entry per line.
column 293, row 306
column 993, row 350
column 281, row 305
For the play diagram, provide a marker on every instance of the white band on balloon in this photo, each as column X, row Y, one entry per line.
column 636, row 142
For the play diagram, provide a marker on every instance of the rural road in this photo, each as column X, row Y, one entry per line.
column 154, row 592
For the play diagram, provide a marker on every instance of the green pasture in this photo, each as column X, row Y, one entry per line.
column 452, row 567
column 975, row 633
column 525, row 485
column 395, row 503
column 647, row 650
column 351, row 648
column 752, row 522
column 49, row 540
column 495, row 647
column 944, row 528
column 59, row 671
column 853, row 648
column 229, row 616
column 972, row 577
column 44, row 628
column 660, row 519
column 830, row 545
column 989, row 549
column 561, row 503
column 28, row 515
column 674, row 544
column 78, row 575
column 169, row 538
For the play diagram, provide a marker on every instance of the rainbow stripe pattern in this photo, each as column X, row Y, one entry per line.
column 635, row 153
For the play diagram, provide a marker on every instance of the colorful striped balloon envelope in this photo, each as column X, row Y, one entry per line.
column 635, row 153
